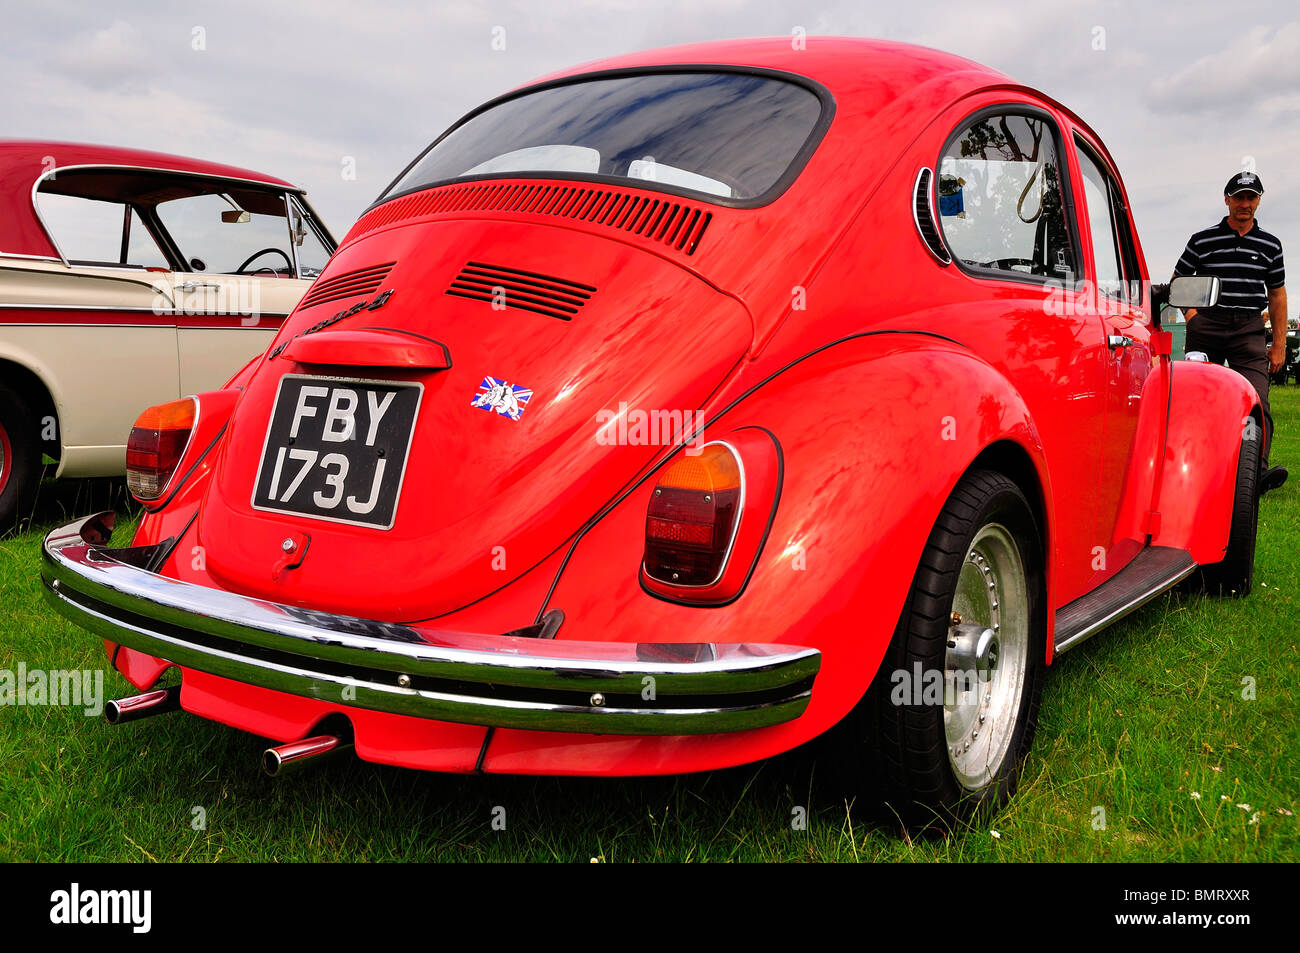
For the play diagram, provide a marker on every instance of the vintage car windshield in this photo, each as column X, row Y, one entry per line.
column 732, row 135
column 145, row 218
column 220, row 247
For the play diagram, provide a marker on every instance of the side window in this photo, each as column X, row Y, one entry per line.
column 1101, row 222
column 1000, row 198
column 91, row 232
column 1127, row 248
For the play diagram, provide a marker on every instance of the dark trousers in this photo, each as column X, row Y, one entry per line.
column 1236, row 338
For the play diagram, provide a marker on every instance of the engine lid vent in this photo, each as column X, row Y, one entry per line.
column 349, row 284
column 923, row 216
column 677, row 224
column 526, row 290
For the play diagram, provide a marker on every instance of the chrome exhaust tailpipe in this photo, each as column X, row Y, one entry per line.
column 295, row 754
column 157, row 702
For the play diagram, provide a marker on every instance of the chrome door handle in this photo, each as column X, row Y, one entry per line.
column 1114, row 341
column 196, row 285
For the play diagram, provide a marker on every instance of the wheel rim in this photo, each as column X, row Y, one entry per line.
column 6, row 458
column 987, row 657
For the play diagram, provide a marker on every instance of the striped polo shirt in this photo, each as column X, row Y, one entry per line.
column 1248, row 266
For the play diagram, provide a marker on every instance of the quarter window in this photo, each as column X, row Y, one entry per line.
column 1095, row 172
column 91, row 232
column 1000, row 199
column 1101, row 223
column 312, row 253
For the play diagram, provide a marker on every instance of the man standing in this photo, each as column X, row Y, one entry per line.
column 1248, row 262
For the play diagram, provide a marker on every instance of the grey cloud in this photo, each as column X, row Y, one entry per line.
column 292, row 88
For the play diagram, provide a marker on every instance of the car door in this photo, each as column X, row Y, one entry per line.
column 97, row 324
column 247, row 272
column 1119, row 293
column 1007, row 213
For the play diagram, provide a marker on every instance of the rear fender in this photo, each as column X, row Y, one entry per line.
column 1209, row 407
column 874, row 434
column 167, row 515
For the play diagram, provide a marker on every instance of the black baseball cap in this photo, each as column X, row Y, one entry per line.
column 1244, row 182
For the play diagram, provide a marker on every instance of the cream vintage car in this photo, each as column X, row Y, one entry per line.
column 128, row 279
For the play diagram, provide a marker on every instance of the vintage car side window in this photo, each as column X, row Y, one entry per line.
column 214, row 237
column 1101, row 222
column 1000, row 198
column 93, row 232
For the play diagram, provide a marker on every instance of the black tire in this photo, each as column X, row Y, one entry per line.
column 20, row 459
column 912, row 745
column 1235, row 574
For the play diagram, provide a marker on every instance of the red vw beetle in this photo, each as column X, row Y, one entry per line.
column 668, row 412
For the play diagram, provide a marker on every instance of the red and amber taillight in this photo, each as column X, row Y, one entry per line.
column 692, row 517
column 156, row 445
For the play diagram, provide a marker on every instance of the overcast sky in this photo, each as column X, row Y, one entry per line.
column 1181, row 92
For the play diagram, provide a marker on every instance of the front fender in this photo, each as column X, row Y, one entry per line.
column 1208, row 409
column 875, row 432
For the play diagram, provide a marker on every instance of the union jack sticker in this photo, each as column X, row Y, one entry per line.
column 503, row 397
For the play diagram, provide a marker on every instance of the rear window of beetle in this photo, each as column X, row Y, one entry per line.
column 728, row 135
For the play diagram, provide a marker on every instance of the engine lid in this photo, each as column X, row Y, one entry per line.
column 572, row 360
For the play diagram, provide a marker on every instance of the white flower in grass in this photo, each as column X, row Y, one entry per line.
column 1196, row 795
column 996, row 835
column 1244, row 807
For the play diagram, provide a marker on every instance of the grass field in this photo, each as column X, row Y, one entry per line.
column 1145, row 728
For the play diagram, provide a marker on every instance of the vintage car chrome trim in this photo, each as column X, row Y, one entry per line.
column 931, row 190
column 1152, row 571
column 293, row 247
column 11, row 254
column 493, row 680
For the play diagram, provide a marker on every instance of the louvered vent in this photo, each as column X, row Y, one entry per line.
column 923, row 216
column 526, row 290
column 676, row 224
column 350, row 284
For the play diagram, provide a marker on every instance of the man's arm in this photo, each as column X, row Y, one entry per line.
column 1277, row 322
column 1187, row 265
column 1276, row 284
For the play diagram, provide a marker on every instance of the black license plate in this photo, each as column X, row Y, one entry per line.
column 336, row 449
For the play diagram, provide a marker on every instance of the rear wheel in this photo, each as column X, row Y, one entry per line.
column 972, row 635
column 20, row 460
column 1234, row 575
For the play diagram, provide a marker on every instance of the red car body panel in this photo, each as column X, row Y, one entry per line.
column 881, row 376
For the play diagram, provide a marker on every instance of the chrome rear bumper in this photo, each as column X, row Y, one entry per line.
column 665, row 688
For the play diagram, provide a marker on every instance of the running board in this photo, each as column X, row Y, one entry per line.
column 1154, row 570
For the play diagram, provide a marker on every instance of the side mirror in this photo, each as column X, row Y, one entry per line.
column 1194, row 291
column 236, row 217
